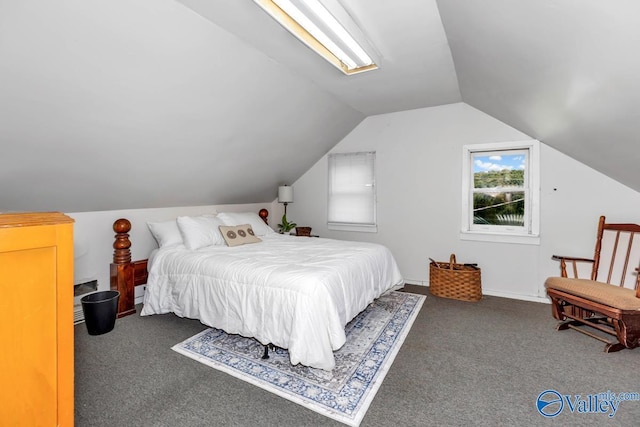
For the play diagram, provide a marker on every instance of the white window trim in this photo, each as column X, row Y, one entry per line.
column 365, row 228
column 532, row 237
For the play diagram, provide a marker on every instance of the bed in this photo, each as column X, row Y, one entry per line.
column 293, row 292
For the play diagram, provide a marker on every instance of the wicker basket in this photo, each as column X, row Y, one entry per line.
column 303, row 231
column 456, row 281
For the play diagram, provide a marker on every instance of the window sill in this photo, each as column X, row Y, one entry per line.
column 521, row 239
column 353, row 227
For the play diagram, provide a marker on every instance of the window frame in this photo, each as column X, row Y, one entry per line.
column 353, row 226
column 530, row 232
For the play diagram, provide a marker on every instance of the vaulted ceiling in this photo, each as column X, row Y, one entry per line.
column 126, row 104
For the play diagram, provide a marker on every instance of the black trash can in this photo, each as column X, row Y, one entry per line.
column 100, row 310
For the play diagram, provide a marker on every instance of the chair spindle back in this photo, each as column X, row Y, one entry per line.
column 617, row 254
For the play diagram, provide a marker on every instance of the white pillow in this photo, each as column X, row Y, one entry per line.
column 200, row 231
column 166, row 233
column 251, row 218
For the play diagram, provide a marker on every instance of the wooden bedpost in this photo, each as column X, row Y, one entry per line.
column 122, row 270
column 264, row 214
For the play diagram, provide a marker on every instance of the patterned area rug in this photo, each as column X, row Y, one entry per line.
column 344, row 394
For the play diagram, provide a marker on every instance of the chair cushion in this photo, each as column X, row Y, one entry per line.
column 604, row 293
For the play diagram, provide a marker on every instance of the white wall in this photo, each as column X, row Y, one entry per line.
column 94, row 236
column 135, row 104
column 418, row 165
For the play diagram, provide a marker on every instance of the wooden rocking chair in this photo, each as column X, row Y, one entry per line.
column 609, row 301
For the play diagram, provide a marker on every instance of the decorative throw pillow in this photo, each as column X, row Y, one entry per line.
column 200, row 231
column 236, row 235
column 251, row 218
column 166, row 233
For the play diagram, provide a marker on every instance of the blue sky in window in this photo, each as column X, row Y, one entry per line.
column 498, row 162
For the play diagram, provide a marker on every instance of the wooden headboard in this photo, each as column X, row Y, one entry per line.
column 127, row 274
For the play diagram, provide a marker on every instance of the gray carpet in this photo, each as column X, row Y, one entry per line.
column 463, row 363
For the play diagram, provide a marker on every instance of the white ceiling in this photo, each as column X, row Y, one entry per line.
column 563, row 71
column 130, row 104
column 416, row 67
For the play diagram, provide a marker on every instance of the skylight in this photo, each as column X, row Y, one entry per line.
column 313, row 24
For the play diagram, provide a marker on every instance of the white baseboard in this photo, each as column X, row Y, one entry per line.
column 416, row 282
column 500, row 294
column 531, row 298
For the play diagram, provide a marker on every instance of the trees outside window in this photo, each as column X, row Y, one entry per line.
column 500, row 189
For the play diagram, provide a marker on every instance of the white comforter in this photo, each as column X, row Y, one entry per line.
column 294, row 292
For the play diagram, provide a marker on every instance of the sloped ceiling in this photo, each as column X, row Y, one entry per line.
column 126, row 104
column 562, row 71
column 416, row 67
column 135, row 104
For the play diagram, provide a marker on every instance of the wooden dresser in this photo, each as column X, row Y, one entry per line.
column 36, row 319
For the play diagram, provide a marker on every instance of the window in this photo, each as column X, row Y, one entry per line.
column 501, row 192
column 352, row 192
